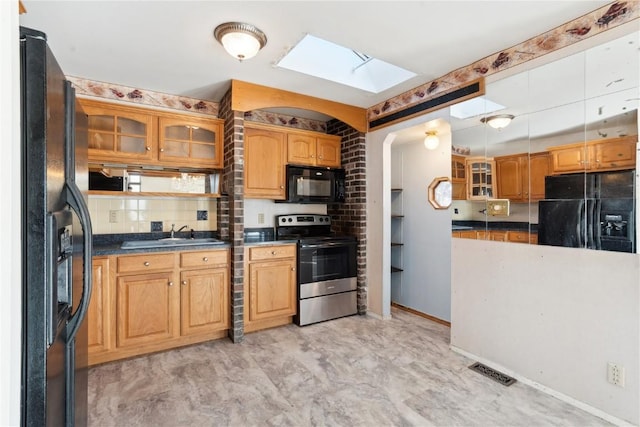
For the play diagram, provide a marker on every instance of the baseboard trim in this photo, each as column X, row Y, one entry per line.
column 558, row 395
column 377, row 316
column 421, row 314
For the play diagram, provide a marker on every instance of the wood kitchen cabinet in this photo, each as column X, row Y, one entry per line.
column 480, row 178
column 192, row 142
column 159, row 300
column 264, row 163
column 270, row 288
column 520, row 177
column 137, row 136
column 120, row 133
column 99, row 314
column 458, row 178
column 594, row 156
column 204, row 295
column 147, row 309
column 313, row 149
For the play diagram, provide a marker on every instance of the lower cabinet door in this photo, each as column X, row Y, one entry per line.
column 148, row 309
column 272, row 289
column 99, row 312
column 204, row 300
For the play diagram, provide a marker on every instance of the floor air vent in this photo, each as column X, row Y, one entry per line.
column 497, row 376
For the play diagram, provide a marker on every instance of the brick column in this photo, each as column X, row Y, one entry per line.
column 231, row 210
column 351, row 217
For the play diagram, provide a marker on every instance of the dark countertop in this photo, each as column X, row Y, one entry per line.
column 495, row 225
column 110, row 244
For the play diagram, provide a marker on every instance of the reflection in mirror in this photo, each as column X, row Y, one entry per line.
column 574, row 117
column 142, row 181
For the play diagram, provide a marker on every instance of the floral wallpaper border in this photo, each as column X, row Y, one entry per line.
column 285, row 120
column 116, row 92
column 598, row 21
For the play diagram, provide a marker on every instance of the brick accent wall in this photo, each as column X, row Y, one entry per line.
column 351, row 217
column 231, row 210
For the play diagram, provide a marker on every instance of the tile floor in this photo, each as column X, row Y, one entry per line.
column 355, row 371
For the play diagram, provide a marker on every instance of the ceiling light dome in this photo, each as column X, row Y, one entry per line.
column 498, row 121
column 431, row 141
column 240, row 40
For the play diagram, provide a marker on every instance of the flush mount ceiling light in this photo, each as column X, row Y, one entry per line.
column 431, row 141
column 498, row 121
column 240, row 40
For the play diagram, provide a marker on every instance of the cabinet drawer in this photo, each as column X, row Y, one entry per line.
column 146, row 262
column 272, row 252
column 519, row 236
column 203, row 258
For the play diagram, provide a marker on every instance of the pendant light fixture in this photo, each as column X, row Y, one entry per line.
column 431, row 141
column 240, row 40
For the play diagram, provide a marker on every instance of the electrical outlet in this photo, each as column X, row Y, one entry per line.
column 615, row 374
column 260, row 218
column 113, row 217
column 202, row 215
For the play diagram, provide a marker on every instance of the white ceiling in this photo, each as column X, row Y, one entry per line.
column 168, row 46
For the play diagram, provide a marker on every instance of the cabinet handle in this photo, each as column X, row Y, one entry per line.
column 146, row 264
column 205, row 259
column 184, row 282
column 148, row 148
column 170, row 283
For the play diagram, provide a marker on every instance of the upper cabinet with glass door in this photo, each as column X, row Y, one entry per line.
column 190, row 142
column 118, row 133
column 134, row 136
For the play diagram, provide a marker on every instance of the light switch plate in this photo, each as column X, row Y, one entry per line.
column 498, row 207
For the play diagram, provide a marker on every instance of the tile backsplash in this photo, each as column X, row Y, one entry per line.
column 111, row 215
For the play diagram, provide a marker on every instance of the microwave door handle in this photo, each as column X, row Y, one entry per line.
column 77, row 203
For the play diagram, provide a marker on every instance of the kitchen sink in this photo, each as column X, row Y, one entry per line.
column 169, row 242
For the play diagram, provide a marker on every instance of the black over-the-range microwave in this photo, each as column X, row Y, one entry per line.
column 306, row 184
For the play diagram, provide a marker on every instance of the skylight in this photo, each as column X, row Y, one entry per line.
column 326, row 60
column 474, row 107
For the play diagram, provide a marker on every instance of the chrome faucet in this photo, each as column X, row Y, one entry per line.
column 176, row 231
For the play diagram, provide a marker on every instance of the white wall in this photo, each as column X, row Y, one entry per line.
column 553, row 315
column 10, row 257
column 425, row 282
column 379, row 212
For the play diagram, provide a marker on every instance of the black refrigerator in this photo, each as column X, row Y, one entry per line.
column 589, row 210
column 56, row 241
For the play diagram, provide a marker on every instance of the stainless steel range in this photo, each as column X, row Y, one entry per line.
column 327, row 268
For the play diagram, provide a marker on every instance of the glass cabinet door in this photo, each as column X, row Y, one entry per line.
column 117, row 134
column 191, row 143
column 480, row 184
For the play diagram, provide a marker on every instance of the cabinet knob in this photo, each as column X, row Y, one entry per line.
column 162, row 150
column 293, row 269
column 170, row 283
column 146, row 264
column 205, row 259
column 148, row 148
column 312, row 156
column 273, row 252
column 320, row 157
column 282, row 186
column 184, row 282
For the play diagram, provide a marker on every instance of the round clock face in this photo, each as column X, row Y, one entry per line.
column 440, row 193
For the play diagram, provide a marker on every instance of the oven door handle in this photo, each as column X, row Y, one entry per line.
column 326, row 245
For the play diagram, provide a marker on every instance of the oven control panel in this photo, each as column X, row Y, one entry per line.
column 303, row 220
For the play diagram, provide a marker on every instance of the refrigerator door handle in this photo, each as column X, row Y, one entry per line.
column 77, row 203
column 597, row 227
column 580, row 225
